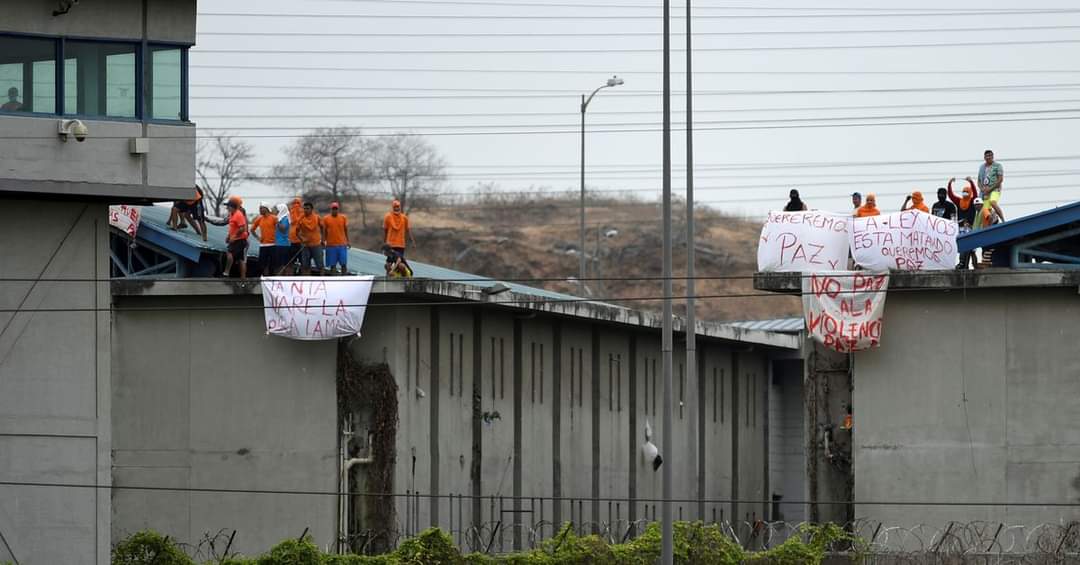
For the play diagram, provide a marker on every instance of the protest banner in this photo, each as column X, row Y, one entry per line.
column 904, row 241
column 803, row 242
column 125, row 218
column 844, row 311
column 314, row 308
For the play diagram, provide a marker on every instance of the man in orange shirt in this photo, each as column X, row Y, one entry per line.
column 336, row 230
column 265, row 224
column 295, row 211
column 396, row 229
column 237, row 239
column 309, row 230
column 868, row 209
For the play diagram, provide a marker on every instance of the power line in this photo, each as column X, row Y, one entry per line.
column 515, row 35
column 893, row 14
column 632, row 50
column 520, row 70
column 515, row 5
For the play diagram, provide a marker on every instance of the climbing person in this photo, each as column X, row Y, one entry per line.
column 795, row 204
column 914, row 201
column 869, row 208
column 336, row 226
column 396, row 265
column 396, row 229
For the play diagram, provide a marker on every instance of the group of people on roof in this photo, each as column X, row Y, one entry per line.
column 975, row 208
column 293, row 238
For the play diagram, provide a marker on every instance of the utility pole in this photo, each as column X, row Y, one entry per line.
column 692, row 461
column 667, row 536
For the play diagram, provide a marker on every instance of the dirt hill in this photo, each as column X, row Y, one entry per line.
column 534, row 240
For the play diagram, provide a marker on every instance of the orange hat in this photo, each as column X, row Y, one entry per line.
column 295, row 201
column 917, row 196
column 334, row 205
column 236, row 200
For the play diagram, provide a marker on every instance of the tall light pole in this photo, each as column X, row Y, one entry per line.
column 693, row 460
column 613, row 81
column 667, row 555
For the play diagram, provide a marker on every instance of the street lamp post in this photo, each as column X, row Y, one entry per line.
column 613, row 81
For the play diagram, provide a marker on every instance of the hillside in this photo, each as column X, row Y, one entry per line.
column 535, row 240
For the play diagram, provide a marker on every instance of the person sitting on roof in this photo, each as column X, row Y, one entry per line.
column 266, row 226
column 237, row 239
column 868, row 209
column 396, row 265
column 914, row 201
column 189, row 212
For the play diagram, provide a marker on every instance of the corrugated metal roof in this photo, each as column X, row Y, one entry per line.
column 361, row 262
column 779, row 325
column 1020, row 228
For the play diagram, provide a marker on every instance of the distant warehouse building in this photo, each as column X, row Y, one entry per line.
column 93, row 111
column 969, row 404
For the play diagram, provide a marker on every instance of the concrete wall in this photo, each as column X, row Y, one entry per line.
column 204, row 399
column 787, row 441
column 54, row 383
column 572, row 400
column 970, row 398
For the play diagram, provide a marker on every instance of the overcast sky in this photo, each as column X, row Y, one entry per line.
column 342, row 65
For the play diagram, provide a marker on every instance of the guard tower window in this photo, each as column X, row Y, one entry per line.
column 104, row 78
column 27, row 75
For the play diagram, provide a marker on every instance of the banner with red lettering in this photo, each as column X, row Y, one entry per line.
column 313, row 308
column 844, row 310
column 125, row 218
column 803, row 242
column 904, row 241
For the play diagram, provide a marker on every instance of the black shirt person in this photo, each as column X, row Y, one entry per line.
column 943, row 208
column 795, row 204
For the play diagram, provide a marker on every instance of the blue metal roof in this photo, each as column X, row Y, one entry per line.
column 1013, row 230
column 779, row 325
column 153, row 227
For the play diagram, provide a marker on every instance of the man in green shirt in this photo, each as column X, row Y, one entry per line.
column 990, row 177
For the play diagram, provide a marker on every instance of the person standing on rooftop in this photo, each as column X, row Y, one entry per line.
column 265, row 224
column 237, row 240
column 396, row 229
column 991, row 175
column 336, row 226
column 309, row 228
column 795, row 204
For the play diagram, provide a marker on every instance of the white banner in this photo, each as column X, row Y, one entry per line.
column 844, row 310
column 126, row 218
column 313, row 308
column 904, row 241
column 804, row 242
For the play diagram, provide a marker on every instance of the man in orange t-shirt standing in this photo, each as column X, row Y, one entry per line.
column 309, row 228
column 265, row 224
column 396, row 229
column 237, row 239
column 336, row 228
column 295, row 211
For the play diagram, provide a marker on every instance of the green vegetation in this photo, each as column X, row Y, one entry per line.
column 695, row 543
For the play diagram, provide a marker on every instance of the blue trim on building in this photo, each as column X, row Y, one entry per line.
column 1020, row 228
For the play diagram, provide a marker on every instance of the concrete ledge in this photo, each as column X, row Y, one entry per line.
column 985, row 278
column 426, row 290
column 115, row 193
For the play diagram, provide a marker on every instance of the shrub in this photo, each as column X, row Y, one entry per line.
column 149, row 548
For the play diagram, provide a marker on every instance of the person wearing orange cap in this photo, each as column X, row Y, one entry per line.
column 336, row 229
column 266, row 226
column 868, row 209
column 396, row 229
column 966, row 209
column 915, row 200
column 237, row 239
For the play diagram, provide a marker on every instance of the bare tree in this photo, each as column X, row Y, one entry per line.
column 328, row 161
column 221, row 164
column 407, row 165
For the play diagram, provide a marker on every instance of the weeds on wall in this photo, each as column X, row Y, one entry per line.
column 370, row 388
column 695, row 544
